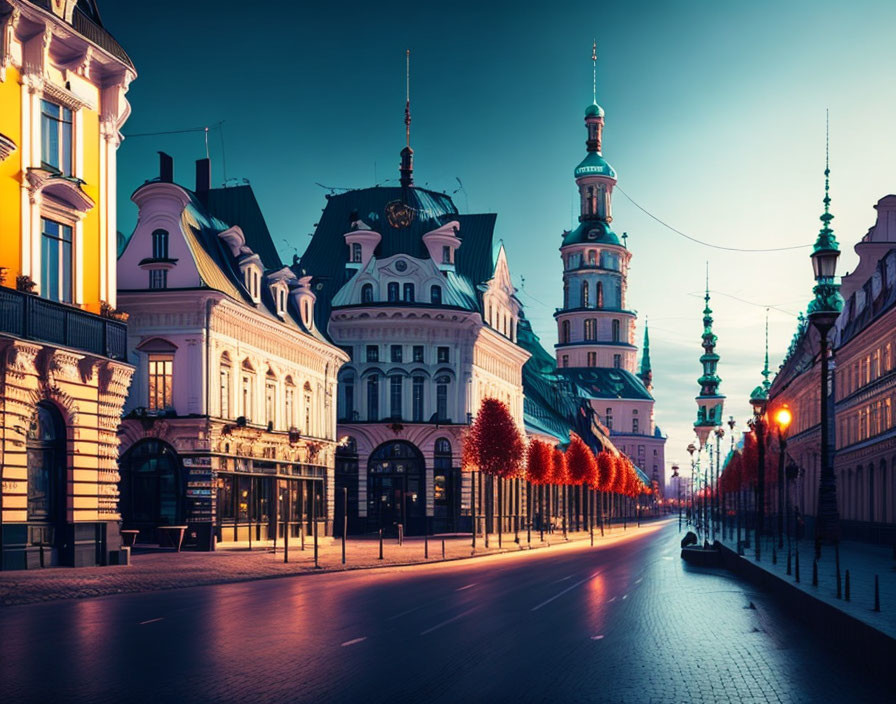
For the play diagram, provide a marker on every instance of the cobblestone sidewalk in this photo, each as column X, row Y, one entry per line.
column 156, row 570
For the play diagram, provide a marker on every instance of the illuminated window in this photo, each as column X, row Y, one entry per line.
column 592, row 359
column 161, row 368
column 590, row 330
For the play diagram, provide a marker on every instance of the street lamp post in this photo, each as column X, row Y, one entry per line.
column 823, row 311
column 731, row 424
column 676, row 475
column 720, row 433
column 783, row 418
column 692, row 448
column 759, row 401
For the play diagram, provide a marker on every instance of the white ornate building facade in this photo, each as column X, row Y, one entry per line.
column 231, row 421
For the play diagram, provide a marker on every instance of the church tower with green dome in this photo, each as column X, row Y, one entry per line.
column 596, row 349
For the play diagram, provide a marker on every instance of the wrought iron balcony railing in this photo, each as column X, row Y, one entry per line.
column 33, row 318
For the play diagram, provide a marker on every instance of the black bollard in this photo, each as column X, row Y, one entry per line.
column 443, row 548
column 815, row 572
column 837, row 559
column 381, row 544
column 592, row 535
column 847, row 585
column 285, row 541
column 797, row 573
column 876, row 593
column 426, row 547
column 401, row 534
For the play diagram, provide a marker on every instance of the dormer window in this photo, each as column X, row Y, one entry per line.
column 409, row 293
column 160, row 244
column 435, row 295
column 252, row 280
column 392, row 291
column 367, row 293
column 279, row 291
column 446, row 254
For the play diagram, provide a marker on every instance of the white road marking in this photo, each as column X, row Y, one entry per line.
column 638, row 580
column 354, row 640
column 562, row 579
column 466, row 587
column 445, row 623
column 600, row 637
column 569, row 588
column 613, row 599
column 405, row 613
column 152, row 620
column 625, row 596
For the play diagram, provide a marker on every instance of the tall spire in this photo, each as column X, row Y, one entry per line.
column 407, row 154
column 594, row 71
column 646, row 374
column 766, row 384
column 709, row 402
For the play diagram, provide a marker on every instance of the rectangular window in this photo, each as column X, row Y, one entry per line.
column 348, row 409
column 307, row 427
column 56, row 137
column 247, row 396
column 56, row 263
column 373, row 398
column 564, row 360
column 395, row 393
column 418, row 353
column 395, row 352
column 289, row 406
column 608, row 418
column 417, row 399
column 224, row 392
column 592, row 359
column 161, row 367
column 270, row 403
column 442, row 355
column 373, row 353
column 446, row 254
column 590, row 330
column 158, row 278
column 634, row 425
column 617, row 360
column 409, row 293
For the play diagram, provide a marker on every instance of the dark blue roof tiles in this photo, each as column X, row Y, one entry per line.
column 237, row 205
column 599, row 382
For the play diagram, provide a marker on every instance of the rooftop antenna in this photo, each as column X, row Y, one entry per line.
column 594, row 71
column 206, row 143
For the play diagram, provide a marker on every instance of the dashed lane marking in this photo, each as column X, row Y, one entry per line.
column 562, row 579
column 445, row 623
column 600, row 637
column 152, row 620
column 466, row 587
column 568, row 589
column 354, row 640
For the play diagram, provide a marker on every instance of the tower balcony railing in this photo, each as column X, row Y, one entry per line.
column 31, row 317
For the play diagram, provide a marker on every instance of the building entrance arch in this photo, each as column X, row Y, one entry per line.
column 396, row 488
column 151, row 487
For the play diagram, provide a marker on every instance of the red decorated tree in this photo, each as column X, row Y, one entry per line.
column 539, row 471
column 582, row 470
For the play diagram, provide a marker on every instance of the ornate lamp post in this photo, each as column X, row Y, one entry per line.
column 692, row 448
column 783, row 418
column 759, row 402
column 823, row 312
column 720, row 433
column 676, row 475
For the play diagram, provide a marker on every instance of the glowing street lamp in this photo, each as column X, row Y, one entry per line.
column 783, row 418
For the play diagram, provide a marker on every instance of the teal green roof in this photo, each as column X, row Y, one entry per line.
column 595, row 165
column 594, row 110
column 594, row 231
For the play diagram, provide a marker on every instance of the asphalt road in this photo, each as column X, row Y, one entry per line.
column 624, row 623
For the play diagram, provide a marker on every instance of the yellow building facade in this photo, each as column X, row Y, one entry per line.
column 63, row 369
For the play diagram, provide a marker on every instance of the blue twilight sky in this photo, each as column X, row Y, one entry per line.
column 715, row 124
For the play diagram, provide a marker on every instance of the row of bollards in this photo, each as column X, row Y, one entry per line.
column 844, row 585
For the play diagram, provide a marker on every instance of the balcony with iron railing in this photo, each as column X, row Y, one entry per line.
column 31, row 317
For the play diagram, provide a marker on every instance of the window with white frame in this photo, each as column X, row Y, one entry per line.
column 289, row 403
column 161, row 372
column 224, row 376
column 57, row 261
column 307, row 394
column 56, row 138
column 247, row 390
column 270, row 400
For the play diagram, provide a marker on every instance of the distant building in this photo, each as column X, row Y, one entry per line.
column 231, row 420
column 596, row 347
column 864, row 392
column 63, row 362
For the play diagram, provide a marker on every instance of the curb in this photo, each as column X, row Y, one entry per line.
column 852, row 636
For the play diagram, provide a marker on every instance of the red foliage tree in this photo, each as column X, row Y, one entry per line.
column 620, row 477
column 559, row 474
column 606, row 469
column 540, row 464
column 494, row 443
column 580, row 461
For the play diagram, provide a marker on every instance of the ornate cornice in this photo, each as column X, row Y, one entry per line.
column 7, row 147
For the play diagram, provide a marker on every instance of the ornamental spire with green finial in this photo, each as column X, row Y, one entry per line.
column 646, row 374
column 710, row 402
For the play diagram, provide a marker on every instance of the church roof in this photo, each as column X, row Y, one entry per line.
column 326, row 255
column 609, row 383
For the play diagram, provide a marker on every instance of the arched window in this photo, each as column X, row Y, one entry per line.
column 356, row 252
column 585, row 298
column 396, row 391
column 45, row 445
column 367, row 293
column 409, row 293
column 289, row 402
column 392, row 291
column 435, row 295
column 442, row 466
column 247, row 390
column 224, row 382
column 417, row 397
column 590, row 330
column 564, row 331
column 270, row 399
column 442, row 383
column 600, row 294
column 615, row 331
column 160, row 373
column 151, row 486
column 306, row 393
column 373, row 397
column 160, row 244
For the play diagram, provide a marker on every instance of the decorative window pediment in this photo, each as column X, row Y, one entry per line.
column 64, row 191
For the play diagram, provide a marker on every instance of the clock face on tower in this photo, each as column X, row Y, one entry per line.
column 399, row 214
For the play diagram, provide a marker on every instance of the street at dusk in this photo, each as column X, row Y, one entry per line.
column 615, row 624
column 465, row 352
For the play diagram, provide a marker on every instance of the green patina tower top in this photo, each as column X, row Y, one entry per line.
column 760, row 393
column 646, row 373
column 709, row 402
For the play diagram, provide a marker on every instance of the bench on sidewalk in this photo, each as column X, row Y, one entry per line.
column 173, row 536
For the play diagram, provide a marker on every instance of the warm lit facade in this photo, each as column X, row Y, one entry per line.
column 230, row 424
column 864, row 392
column 64, row 375
column 596, row 347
